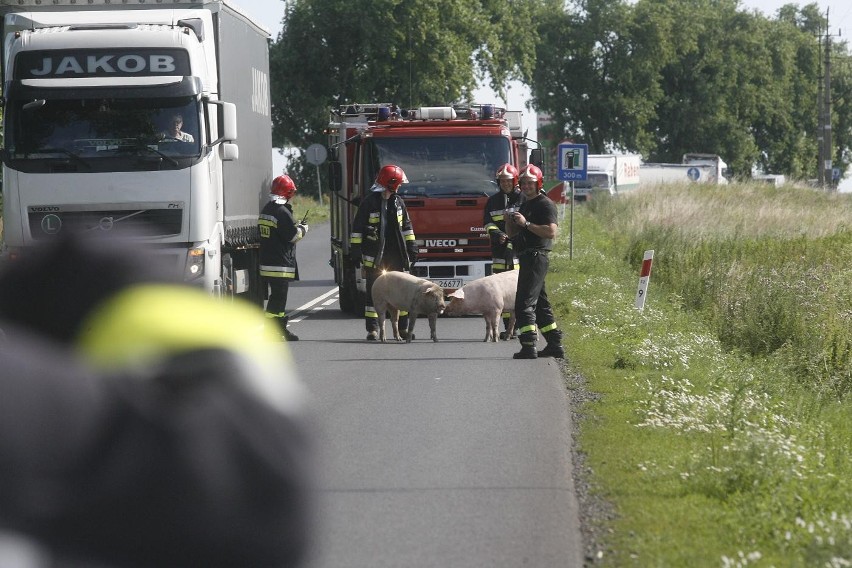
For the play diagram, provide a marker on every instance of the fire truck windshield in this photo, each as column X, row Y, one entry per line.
column 444, row 166
column 102, row 134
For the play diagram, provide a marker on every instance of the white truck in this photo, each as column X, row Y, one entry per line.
column 695, row 168
column 612, row 174
column 721, row 173
column 91, row 92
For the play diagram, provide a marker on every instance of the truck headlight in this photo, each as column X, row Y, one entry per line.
column 194, row 263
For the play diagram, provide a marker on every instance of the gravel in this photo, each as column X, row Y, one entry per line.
column 596, row 514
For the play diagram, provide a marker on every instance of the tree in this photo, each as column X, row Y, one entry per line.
column 666, row 77
column 412, row 53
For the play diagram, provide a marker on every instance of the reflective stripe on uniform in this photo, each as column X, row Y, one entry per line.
column 370, row 312
column 277, row 271
column 528, row 329
column 547, row 328
column 355, row 238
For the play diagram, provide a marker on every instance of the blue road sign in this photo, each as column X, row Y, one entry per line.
column 693, row 174
column 573, row 161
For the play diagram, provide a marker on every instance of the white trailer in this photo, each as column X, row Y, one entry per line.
column 720, row 168
column 90, row 90
column 613, row 174
column 657, row 173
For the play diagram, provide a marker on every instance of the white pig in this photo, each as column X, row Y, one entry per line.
column 395, row 291
column 489, row 296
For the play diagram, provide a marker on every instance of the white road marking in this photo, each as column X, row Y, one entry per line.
column 307, row 307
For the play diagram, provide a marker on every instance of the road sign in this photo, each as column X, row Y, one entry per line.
column 693, row 174
column 316, row 154
column 573, row 161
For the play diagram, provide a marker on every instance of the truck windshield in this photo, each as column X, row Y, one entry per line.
column 102, row 134
column 444, row 166
column 593, row 181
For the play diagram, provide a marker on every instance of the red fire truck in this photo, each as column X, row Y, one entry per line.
column 450, row 155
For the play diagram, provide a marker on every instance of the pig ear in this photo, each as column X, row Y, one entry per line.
column 458, row 294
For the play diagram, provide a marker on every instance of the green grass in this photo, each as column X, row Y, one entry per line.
column 721, row 434
column 316, row 212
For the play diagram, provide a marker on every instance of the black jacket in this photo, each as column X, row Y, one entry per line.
column 373, row 234
column 279, row 234
column 495, row 225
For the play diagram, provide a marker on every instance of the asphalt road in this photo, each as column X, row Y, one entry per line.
column 447, row 454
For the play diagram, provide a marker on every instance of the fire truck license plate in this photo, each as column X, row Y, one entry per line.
column 448, row 283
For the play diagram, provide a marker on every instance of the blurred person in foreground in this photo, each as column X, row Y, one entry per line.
column 144, row 423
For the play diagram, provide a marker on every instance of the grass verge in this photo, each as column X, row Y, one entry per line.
column 714, row 452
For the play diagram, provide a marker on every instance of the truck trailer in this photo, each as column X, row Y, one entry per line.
column 91, row 91
column 450, row 156
column 610, row 174
column 694, row 168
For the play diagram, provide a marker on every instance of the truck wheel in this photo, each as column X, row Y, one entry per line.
column 346, row 301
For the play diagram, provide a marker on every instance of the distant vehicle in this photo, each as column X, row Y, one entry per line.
column 696, row 168
column 721, row 172
column 612, row 174
column 776, row 180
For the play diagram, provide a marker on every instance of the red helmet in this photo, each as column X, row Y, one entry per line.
column 283, row 186
column 507, row 171
column 391, row 177
column 533, row 172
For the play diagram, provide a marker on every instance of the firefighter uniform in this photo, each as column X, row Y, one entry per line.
column 533, row 311
column 502, row 253
column 279, row 233
column 383, row 235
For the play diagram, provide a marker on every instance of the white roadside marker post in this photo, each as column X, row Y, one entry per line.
column 644, row 276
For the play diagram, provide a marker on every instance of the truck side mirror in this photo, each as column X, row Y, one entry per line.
column 227, row 118
column 536, row 157
column 230, row 152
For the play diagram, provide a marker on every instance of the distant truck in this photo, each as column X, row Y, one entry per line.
column 695, row 168
column 612, row 174
column 90, row 92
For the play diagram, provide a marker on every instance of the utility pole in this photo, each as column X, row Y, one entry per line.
column 827, row 153
column 820, row 118
column 825, row 179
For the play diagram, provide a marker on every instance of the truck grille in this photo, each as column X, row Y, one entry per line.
column 137, row 222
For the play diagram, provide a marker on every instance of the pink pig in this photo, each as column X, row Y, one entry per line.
column 489, row 296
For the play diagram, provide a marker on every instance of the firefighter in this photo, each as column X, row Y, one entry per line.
column 383, row 240
column 142, row 421
column 279, row 233
column 532, row 231
column 502, row 252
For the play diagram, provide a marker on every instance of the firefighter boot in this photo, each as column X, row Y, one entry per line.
column 286, row 334
column 403, row 327
column 554, row 345
column 527, row 351
column 505, row 335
